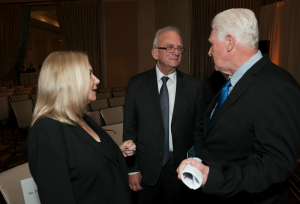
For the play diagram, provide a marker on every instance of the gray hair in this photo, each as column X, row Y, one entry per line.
column 160, row 31
column 240, row 23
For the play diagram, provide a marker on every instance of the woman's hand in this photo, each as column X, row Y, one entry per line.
column 128, row 148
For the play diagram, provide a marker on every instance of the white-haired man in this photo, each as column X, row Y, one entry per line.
column 251, row 138
column 163, row 117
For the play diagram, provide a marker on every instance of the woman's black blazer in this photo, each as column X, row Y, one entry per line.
column 69, row 166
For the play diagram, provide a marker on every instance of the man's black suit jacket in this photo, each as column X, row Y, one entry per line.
column 253, row 142
column 69, row 166
column 143, row 122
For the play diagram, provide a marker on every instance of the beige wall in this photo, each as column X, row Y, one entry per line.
column 175, row 13
column 121, row 42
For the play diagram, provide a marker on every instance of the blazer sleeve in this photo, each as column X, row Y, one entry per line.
column 131, row 125
column 275, row 148
column 47, row 158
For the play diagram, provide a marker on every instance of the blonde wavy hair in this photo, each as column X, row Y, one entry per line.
column 63, row 87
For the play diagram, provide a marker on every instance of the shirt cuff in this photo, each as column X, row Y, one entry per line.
column 131, row 173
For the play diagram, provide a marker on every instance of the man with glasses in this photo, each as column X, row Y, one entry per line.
column 163, row 118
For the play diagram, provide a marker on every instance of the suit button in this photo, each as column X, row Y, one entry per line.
column 160, row 152
column 202, row 147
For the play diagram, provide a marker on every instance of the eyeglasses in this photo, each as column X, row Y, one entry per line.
column 171, row 49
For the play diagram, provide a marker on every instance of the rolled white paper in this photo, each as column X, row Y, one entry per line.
column 191, row 176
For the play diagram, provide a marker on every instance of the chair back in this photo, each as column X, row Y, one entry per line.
column 16, row 87
column 7, row 93
column 103, row 95
column 33, row 96
column 8, row 90
column 10, row 184
column 117, row 133
column 4, row 108
column 103, row 90
column 19, row 97
column 119, row 89
column 119, row 93
column 99, row 104
column 95, row 115
column 31, row 86
column 25, row 89
column 112, row 115
column 23, row 112
column 23, row 92
column 118, row 101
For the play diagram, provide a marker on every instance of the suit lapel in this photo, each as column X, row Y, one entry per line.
column 153, row 87
column 179, row 97
column 237, row 91
column 78, row 130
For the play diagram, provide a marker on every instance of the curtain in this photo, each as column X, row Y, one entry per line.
column 11, row 26
column 80, row 23
column 282, row 29
column 23, row 47
column 203, row 12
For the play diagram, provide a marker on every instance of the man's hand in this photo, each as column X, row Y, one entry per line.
column 201, row 167
column 134, row 181
column 128, row 148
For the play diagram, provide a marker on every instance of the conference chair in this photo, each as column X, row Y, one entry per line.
column 31, row 86
column 99, row 104
column 19, row 97
column 16, row 87
column 11, row 93
column 23, row 111
column 6, row 119
column 104, row 90
column 10, row 184
column 119, row 89
column 118, row 101
column 103, row 95
column 33, row 97
column 112, row 115
column 25, row 89
column 95, row 115
column 8, row 90
column 119, row 93
column 23, row 92
column 116, row 133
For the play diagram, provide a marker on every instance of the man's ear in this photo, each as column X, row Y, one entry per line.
column 230, row 42
column 154, row 53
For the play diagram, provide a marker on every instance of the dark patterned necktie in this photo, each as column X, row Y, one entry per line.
column 164, row 103
column 222, row 98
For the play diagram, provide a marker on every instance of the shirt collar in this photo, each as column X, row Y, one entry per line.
column 244, row 68
column 159, row 75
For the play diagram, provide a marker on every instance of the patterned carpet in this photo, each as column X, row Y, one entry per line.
column 9, row 157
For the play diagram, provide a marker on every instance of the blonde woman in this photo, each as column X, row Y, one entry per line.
column 71, row 158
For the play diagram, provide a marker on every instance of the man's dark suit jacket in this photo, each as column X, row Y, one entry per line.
column 253, row 142
column 143, row 122
column 69, row 166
